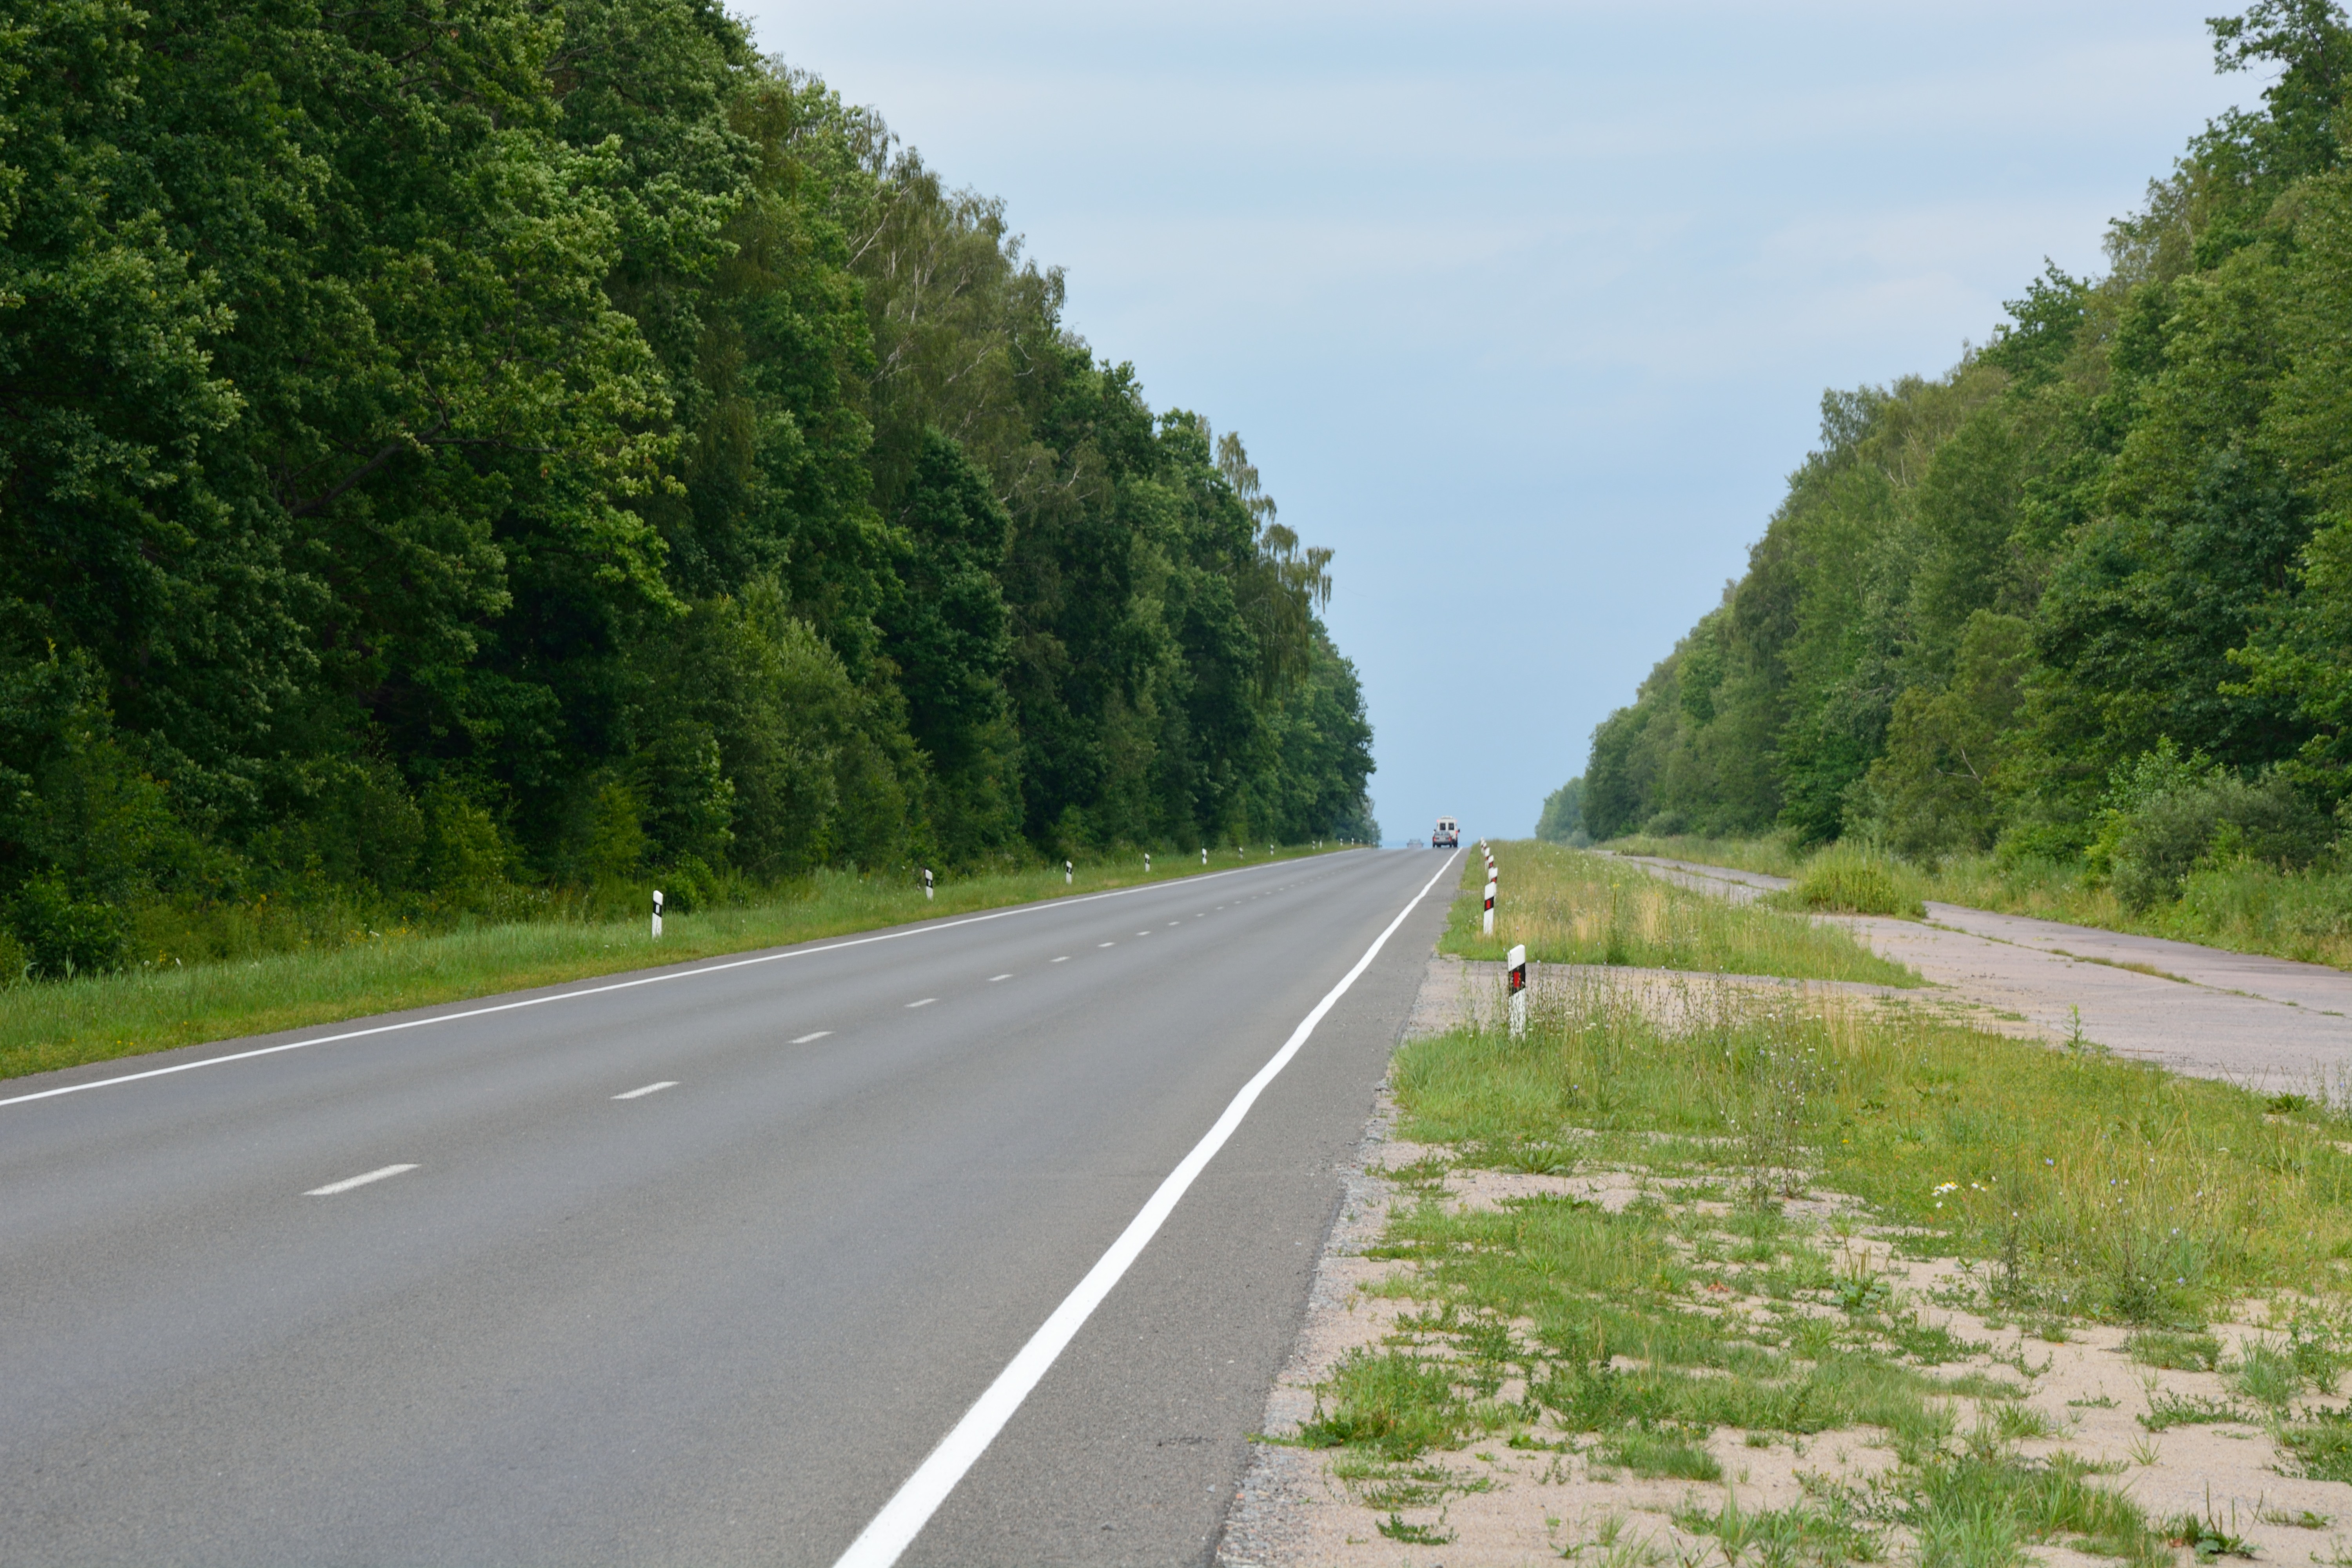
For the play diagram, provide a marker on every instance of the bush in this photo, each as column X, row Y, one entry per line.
column 2212, row 821
column 63, row 937
column 1856, row 883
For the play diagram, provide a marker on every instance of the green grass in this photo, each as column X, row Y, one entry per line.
column 2081, row 1188
column 2174, row 1352
column 1659, row 1455
column 49, row 1025
column 1823, row 1532
column 1571, row 906
column 2245, row 907
column 1854, row 882
column 2321, row 1446
column 2093, row 1186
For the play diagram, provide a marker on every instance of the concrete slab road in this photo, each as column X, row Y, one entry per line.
column 699, row 1267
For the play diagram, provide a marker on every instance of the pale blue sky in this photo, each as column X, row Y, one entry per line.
column 1526, row 310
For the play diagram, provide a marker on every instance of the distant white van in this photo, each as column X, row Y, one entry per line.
column 1447, row 836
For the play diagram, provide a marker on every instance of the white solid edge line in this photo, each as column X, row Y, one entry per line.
column 649, row 1089
column 924, row 1002
column 994, row 978
column 893, row 1530
column 917, row 930
column 348, row 1183
column 804, row 1039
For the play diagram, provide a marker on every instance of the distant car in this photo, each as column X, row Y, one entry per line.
column 1415, row 844
column 1447, row 837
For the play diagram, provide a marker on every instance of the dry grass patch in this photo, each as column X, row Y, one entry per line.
column 1571, row 906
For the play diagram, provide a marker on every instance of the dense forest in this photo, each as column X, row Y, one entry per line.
column 457, row 448
column 2086, row 596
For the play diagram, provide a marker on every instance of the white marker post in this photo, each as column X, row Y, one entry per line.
column 927, row 884
column 1147, row 862
column 1066, row 873
column 1519, row 982
column 1204, row 854
column 656, row 914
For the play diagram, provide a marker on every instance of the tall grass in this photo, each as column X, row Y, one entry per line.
column 2244, row 907
column 1571, row 906
column 1770, row 854
column 57, row 1024
column 1855, row 881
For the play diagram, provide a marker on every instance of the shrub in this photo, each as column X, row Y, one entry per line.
column 2214, row 821
column 1857, row 883
column 65, row 937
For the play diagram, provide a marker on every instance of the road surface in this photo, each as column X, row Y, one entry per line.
column 700, row 1270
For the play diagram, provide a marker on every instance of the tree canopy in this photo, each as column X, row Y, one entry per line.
column 468, row 446
column 2119, row 532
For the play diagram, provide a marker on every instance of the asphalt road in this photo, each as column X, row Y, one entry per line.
column 721, row 1321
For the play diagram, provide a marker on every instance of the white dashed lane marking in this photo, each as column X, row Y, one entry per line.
column 348, row 1183
column 818, row 1035
column 649, row 1089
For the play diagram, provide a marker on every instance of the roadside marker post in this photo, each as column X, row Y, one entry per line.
column 927, row 884
column 1204, row 854
column 656, row 914
column 1066, row 873
column 1147, row 862
column 1518, row 982
column 1490, row 905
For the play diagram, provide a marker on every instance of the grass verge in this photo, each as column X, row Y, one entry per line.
column 1753, row 1173
column 58, row 1023
column 2246, row 906
column 1571, row 906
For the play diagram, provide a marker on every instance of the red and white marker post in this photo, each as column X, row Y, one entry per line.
column 1490, row 903
column 1518, row 984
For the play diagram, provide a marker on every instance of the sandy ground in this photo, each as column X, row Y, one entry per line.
column 1530, row 1506
column 2263, row 1022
